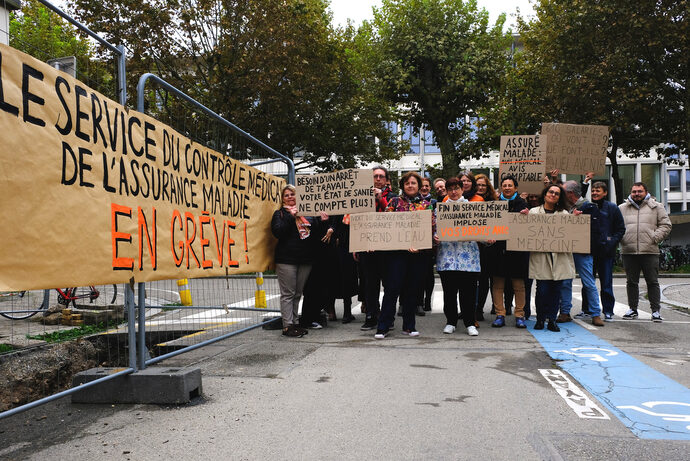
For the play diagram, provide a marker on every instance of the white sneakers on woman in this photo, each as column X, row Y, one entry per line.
column 449, row 329
column 472, row 331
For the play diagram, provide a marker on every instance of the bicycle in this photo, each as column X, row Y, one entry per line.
column 19, row 305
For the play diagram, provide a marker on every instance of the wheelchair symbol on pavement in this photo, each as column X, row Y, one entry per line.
column 591, row 356
column 664, row 416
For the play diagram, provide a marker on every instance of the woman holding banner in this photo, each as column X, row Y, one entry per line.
column 488, row 193
column 510, row 265
column 458, row 265
column 550, row 269
column 403, row 267
column 294, row 255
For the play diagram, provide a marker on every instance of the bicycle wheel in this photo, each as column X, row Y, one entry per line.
column 101, row 295
column 18, row 305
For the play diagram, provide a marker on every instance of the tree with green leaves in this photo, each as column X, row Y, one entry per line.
column 275, row 68
column 441, row 62
column 609, row 62
column 41, row 33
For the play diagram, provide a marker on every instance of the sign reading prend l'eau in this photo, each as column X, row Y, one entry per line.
column 479, row 221
column 390, row 231
column 339, row 192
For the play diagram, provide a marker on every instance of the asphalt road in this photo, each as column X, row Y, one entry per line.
column 338, row 393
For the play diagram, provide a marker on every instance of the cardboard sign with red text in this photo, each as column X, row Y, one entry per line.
column 479, row 221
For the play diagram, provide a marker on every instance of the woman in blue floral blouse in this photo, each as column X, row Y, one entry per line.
column 403, row 268
column 458, row 265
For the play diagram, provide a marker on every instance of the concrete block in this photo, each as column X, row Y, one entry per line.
column 158, row 385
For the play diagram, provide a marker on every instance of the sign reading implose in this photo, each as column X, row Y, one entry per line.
column 479, row 221
column 522, row 156
column 549, row 233
column 340, row 192
column 576, row 149
column 95, row 193
column 390, row 231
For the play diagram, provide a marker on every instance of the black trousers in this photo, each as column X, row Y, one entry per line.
column 466, row 284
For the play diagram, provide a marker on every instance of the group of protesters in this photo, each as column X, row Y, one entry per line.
column 313, row 260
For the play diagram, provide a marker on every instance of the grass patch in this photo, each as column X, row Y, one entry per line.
column 73, row 333
column 6, row 348
column 684, row 269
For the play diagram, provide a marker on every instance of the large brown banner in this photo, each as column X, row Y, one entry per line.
column 95, row 193
column 576, row 149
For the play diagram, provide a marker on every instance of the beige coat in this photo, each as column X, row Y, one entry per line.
column 645, row 227
column 550, row 266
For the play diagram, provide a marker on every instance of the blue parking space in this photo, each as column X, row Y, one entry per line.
column 649, row 403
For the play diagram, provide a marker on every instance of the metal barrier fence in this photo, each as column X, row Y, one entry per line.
column 39, row 355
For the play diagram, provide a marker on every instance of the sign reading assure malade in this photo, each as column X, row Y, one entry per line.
column 390, row 231
column 479, row 221
column 549, row 233
column 522, row 156
column 576, row 149
column 339, row 192
column 95, row 193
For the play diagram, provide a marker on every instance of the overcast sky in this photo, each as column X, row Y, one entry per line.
column 358, row 10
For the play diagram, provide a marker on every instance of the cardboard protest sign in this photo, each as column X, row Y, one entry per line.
column 555, row 233
column 522, row 156
column 576, row 149
column 390, row 231
column 94, row 193
column 479, row 221
column 340, row 192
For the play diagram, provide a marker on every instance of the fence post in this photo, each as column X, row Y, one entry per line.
column 260, row 293
column 131, row 325
column 122, row 75
column 141, row 343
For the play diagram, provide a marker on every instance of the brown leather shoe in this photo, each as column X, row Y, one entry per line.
column 562, row 318
column 597, row 322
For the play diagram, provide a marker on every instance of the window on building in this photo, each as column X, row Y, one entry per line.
column 627, row 175
column 411, row 135
column 650, row 174
column 674, row 180
column 676, row 207
column 430, row 146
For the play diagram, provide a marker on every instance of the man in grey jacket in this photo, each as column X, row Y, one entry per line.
column 646, row 225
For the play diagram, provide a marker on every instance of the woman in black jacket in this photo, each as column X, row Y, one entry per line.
column 293, row 257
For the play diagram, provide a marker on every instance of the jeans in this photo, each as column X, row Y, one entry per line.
column 546, row 300
column 649, row 265
column 604, row 268
column 291, row 280
column 402, row 280
column 466, row 284
column 584, row 267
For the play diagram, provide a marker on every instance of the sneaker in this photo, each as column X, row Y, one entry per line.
column 411, row 333
column 582, row 315
column 315, row 326
column 656, row 317
column 562, row 318
column 630, row 315
column 449, row 329
column 472, row 331
column 608, row 317
column 380, row 334
column 369, row 324
column 520, row 323
column 499, row 322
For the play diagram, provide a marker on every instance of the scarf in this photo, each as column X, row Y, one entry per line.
column 303, row 227
column 512, row 197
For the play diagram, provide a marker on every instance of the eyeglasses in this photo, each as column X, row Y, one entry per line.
column 379, row 175
column 553, row 192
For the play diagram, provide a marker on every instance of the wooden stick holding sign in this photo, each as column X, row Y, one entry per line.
column 479, row 221
column 576, row 149
column 522, row 156
column 545, row 233
column 390, row 231
column 339, row 192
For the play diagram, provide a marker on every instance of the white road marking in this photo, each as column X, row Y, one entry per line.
column 576, row 399
column 588, row 326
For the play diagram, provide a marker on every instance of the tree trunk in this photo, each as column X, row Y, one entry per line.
column 449, row 156
column 617, row 183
